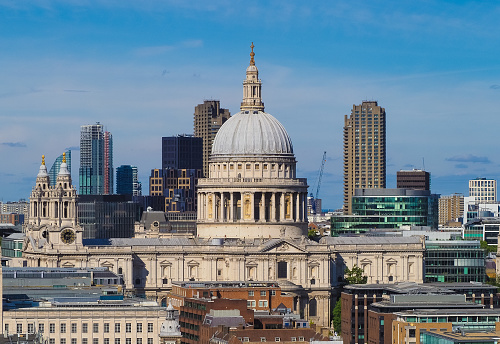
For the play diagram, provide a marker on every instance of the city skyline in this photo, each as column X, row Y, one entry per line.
column 432, row 66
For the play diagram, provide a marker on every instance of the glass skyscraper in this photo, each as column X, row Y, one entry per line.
column 54, row 170
column 127, row 181
column 96, row 160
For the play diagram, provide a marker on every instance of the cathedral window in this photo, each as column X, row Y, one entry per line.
column 282, row 269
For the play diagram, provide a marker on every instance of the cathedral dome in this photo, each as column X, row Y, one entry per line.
column 252, row 133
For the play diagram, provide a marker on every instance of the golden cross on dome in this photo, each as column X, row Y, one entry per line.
column 43, row 159
column 64, row 157
column 252, row 54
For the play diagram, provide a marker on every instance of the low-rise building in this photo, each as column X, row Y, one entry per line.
column 387, row 208
column 414, row 326
column 454, row 261
column 358, row 299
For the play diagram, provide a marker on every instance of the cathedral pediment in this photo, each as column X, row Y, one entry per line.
column 281, row 246
column 107, row 264
column 68, row 265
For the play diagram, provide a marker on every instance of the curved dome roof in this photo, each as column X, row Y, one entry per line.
column 252, row 133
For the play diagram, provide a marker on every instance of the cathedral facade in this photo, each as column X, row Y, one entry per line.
column 252, row 226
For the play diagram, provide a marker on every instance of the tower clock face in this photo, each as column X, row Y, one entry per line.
column 67, row 236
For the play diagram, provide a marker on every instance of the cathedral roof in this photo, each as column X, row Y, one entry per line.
column 252, row 133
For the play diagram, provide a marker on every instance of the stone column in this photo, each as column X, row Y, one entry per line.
column 282, row 207
column 231, row 207
column 214, row 206
column 252, row 206
column 262, row 208
column 222, row 207
column 273, row 207
column 298, row 217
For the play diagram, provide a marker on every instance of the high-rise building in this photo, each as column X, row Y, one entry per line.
column 451, row 209
column 127, row 182
column 364, row 150
column 208, row 118
column 485, row 190
column 413, row 179
column 182, row 151
column 96, row 160
column 54, row 170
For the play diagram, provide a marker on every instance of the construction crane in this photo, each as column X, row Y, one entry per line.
column 320, row 175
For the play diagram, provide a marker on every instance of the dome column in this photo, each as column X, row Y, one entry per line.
column 282, row 206
column 231, row 206
column 297, row 207
column 222, row 207
column 262, row 207
column 273, row 207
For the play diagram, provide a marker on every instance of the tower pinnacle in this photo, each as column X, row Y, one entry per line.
column 252, row 54
column 252, row 86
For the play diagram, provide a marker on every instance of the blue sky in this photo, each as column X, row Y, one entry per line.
column 140, row 67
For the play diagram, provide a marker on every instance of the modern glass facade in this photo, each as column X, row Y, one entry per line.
column 54, row 170
column 388, row 208
column 437, row 338
column 96, row 160
column 486, row 229
column 182, row 152
column 454, row 261
column 127, row 181
column 108, row 216
column 12, row 248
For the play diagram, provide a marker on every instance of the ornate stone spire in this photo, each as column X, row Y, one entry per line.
column 252, row 86
column 43, row 169
column 63, row 169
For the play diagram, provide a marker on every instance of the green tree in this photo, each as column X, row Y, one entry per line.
column 355, row 275
column 488, row 248
column 337, row 317
column 311, row 234
column 351, row 276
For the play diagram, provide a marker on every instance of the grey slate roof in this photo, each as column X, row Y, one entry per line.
column 369, row 240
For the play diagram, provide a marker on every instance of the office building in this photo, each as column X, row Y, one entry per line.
column 127, row 182
column 454, row 261
column 414, row 180
column 364, row 150
column 451, row 210
column 386, row 209
column 182, row 151
column 208, row 118
column 156, row 183
column 77, row 306
column 484, row 190
column 107, row 216
column 483, row 228
column 20, row 207
column 96, row 160
column 54, row 170
column 446, row 326
column 368, row 309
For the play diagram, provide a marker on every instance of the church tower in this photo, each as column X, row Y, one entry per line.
column 52, row 222
column 170, row 332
